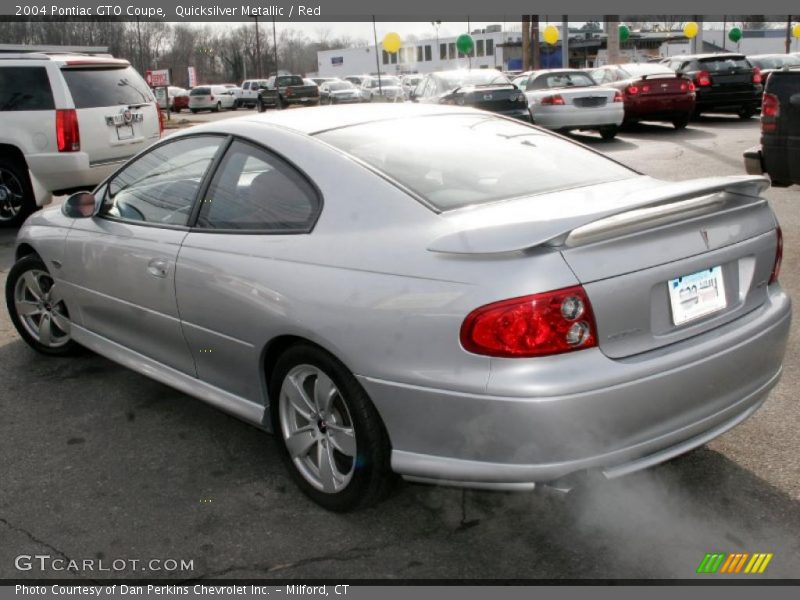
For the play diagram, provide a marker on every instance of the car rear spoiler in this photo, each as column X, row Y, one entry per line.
column 647, row 208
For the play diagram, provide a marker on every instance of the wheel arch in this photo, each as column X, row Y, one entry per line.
column 13, row 153
column 23, row 250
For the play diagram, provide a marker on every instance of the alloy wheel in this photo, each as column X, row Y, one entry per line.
column 317, row 428
column 11, row 195
column 41, row 309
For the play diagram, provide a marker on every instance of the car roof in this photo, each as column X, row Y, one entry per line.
column 709, row 55
column 66, row 58
column 310, row 121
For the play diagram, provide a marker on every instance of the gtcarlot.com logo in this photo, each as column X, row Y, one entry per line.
column 46, row 562
column 722, row 563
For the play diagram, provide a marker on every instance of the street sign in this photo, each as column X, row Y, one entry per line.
column 192, row 77
column 158, row 78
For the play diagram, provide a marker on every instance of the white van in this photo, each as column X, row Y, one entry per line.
column 66, row 122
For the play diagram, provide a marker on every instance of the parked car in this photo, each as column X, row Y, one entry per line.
column 768, row 63
column 487, row 89
column 250, row 89
column 180, row 101
column 66, row 122
column 168, row 101
column 338, row 92
column 211, row 97
column 650, row 92
column 410, row 83
column 779, row 152
column 285, row 90
column 385, row 88
column 567, row 99
column 237, row 92
column 494, row 350
column 725, row 82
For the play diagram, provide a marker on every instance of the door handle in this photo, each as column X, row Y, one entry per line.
column 158, row 267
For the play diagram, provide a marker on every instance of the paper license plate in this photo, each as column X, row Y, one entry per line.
column 696, row 295
column 124, row 132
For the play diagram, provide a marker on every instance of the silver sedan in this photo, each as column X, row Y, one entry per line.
column 435, row 292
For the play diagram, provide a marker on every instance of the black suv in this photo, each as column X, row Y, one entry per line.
column 779, row 153
column 726, row 83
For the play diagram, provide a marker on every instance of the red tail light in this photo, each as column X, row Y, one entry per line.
column 770, row 111
column 555, row 99
column 538, row 325
column 756, row 75
column 68, row 136
column 645, row 88
column 687, row 86
column 160, row 119
column 632, row 90
column 289, row 91
column 618, row 97
column 703, row 79
column 776, row 267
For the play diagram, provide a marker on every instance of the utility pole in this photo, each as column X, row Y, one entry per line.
column 536, row 54
column 377, row 58
column 788, row 34
column 565, row 43
column 612, row 39
column 526, row 42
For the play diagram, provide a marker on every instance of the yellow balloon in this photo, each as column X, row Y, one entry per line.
column 796, row 31
column 391, row 42
column 691, row 29
column 551, row 34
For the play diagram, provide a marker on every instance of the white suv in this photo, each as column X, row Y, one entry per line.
column 66, row 122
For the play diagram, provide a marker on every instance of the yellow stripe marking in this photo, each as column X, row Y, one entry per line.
column 751, row 563
column 755, row 567
column 765, row 563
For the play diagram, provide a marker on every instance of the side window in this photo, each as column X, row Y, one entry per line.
column 246, row 86
column 25, row 88
column 256, row 190
column 160, row 187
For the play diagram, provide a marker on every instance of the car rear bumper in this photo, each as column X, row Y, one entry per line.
column 640, row 411
column 655, row 108
column 722, row 100
column 573, row 117
column 73, row 170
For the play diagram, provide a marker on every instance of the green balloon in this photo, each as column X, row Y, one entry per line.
column 735, row 34
column 624, row 33
column 465, row 43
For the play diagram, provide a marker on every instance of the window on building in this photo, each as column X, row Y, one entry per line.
column 385, row 57
column 479, row 47
column 451, row 50
column 419, row 53
column 490, row 47
column 442, row 51
column 428, row 55
column 393, row 58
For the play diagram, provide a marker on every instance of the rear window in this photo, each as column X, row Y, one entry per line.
column 637, row 70
column 289, row 80
column 456, row 79
column 200, row 91
column 93, row 88
column 724, row 64
column 561, row 80
column 471, row 159
column 25, row 88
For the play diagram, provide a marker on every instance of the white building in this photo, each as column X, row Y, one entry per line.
column 419, row 56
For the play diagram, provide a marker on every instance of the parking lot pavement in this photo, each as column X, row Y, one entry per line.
column 99, row 462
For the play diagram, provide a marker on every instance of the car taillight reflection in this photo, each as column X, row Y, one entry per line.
column 68, row 136
column 537, row 325
column 757, row 75
column 554, row 100
column 703, row 79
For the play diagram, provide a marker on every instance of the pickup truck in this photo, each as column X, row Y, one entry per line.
column 284, row 90
column 779, row 153
column 250, row 89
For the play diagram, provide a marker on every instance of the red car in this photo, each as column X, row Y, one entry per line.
column 651, row 92
column 180, row 101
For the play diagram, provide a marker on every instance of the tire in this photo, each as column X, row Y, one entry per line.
column 746, row 112
column 194, row 111
column 681, row 122
column 218, row 107
column 279, row 103
column 235, row 106
column 28, row 280
column 357, row 478
column 260, row 106
column 16, row 193
column 609, row 132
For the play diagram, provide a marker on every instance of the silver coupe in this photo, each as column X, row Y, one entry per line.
column 436, row 292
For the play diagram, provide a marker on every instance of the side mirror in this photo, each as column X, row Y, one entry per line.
column 80, row 205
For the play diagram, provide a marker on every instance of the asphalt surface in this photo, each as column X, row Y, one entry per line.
column 101, row 463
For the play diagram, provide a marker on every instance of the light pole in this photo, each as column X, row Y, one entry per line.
column 275, row 45
column 258, row 50
column 436, row 25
